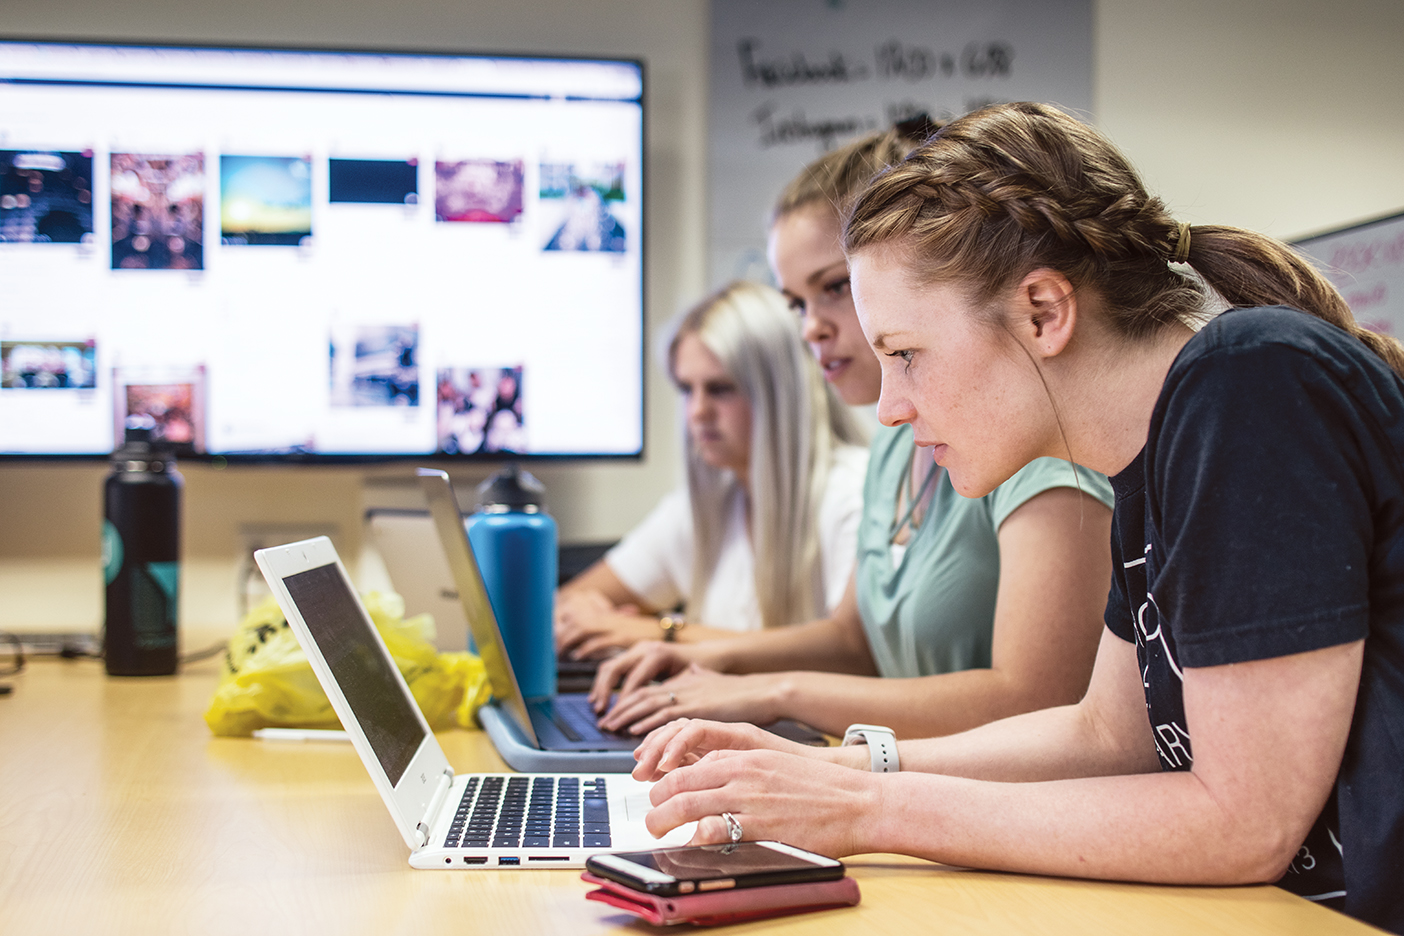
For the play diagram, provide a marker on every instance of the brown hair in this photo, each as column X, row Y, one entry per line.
column 1011, row 188
column 841, row 173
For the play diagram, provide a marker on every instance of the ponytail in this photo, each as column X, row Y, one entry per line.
column 1248, row 269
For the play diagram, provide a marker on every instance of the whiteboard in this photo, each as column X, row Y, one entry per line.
column 1366, row 263
column 791, row 79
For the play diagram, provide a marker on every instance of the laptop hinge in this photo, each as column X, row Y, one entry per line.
column 436, row 802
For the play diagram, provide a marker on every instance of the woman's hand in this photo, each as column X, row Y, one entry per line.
column 640, row 664
column 686, row 740
column 699, row 693
column 589, row 625
column 783, row 797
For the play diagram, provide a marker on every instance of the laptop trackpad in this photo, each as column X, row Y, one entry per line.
column 636, row 806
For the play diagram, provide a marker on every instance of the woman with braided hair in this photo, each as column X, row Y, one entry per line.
column 1245, row 719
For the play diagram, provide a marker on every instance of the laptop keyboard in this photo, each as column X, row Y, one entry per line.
column 572, row 715
column 531, row 812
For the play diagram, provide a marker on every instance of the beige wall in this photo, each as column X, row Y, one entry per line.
column 1281, row 115
column 1285, row 116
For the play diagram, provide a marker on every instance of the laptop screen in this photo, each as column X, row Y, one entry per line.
column 477, row 607
column 363, row 670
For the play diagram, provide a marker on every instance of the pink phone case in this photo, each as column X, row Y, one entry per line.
column 729, row 906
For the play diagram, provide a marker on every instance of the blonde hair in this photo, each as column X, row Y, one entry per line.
column 1011, row 188
column 796, row 423
column 834, row 178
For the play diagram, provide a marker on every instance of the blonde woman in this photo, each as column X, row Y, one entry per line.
column 764, row 533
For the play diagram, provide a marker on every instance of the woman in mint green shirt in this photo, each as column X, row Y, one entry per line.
column 927, row 605
column 975, row 609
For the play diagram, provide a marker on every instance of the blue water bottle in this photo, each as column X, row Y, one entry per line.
column 514, row 541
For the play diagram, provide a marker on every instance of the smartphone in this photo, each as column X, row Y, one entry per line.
column 668, row 872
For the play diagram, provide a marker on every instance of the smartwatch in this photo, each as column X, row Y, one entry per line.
column 881, row 742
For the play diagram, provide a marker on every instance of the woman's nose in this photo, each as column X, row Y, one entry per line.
column 699, row 407
column 894, row 409
column 815, row 328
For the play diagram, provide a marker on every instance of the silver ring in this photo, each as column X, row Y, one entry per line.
column 733, row 827
column 672, row 698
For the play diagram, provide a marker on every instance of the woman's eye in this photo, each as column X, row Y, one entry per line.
column 906, row 356
column 837, row 289
column 797, row 305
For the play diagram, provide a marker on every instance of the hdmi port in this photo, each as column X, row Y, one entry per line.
column 470, row 860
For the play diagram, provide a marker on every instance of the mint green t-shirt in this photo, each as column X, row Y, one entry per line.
column 933, row 611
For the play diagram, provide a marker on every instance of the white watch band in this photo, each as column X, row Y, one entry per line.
column 881, row 742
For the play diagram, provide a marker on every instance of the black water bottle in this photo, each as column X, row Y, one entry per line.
column 141, row 557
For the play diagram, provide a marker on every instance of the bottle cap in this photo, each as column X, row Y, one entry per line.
column 511, row 489
column 139, row 452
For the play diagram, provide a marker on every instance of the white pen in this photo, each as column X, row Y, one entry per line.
column 300, row 734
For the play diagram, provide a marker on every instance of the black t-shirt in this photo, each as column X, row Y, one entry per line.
column 1265, row 517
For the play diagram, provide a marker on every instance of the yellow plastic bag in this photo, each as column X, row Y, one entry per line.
column 267, row 681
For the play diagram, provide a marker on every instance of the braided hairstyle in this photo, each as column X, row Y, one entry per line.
column 1012, row 188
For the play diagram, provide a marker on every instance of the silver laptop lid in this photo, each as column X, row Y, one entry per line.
column 407, row 545
column 443, row 505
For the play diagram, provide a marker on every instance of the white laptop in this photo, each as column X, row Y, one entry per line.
column 447, row 820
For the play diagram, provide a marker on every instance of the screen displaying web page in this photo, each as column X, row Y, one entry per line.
column 272, row 253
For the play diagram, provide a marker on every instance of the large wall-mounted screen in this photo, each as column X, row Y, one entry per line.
column 260, row 253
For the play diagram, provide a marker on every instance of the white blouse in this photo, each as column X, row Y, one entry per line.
column 654, row 560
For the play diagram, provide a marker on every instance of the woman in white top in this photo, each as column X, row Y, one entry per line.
column 765, row 532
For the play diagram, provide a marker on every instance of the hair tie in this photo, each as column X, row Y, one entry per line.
column 1182, row 244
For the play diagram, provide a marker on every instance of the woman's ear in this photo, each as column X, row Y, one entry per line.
column 1045, row 312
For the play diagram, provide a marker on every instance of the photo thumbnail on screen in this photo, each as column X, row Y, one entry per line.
column 480, row 410
column 478, row 190
column 575, row 200
column 46, row 197
column 375, row 365
column 158, row 212
column 373, row 181
column 265, row 200
column 48, row 365
column 168, row 401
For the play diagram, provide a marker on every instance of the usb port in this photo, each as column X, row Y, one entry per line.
column 513, row 860
column 475, row 860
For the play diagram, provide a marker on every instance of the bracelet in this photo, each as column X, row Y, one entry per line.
column 670, row 626
column 881, row 742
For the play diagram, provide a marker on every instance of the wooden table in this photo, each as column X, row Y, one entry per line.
column 120, row 813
